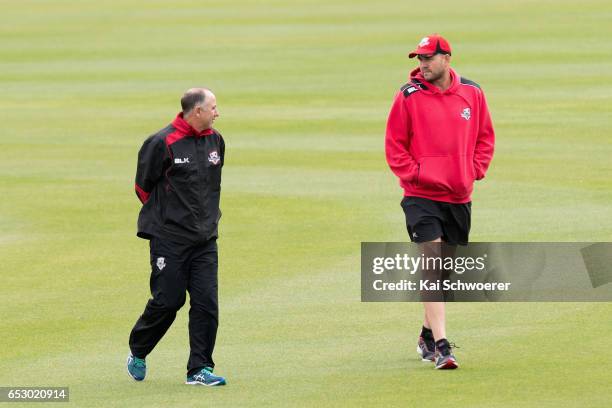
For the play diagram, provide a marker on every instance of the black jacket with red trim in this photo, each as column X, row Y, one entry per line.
column 178, row 180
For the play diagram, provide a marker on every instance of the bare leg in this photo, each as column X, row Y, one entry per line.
column 435, row 313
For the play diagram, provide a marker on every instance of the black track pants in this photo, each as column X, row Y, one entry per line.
column 176, row 269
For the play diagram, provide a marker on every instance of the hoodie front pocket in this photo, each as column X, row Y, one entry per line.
column 453, row 174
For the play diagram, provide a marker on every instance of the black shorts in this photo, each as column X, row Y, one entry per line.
column 428, row 220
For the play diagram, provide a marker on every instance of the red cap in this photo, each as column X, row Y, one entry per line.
column 433, row 44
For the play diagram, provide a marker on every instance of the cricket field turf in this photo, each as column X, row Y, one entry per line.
column 303, row 89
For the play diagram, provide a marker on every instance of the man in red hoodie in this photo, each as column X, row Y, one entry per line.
column 439, row 140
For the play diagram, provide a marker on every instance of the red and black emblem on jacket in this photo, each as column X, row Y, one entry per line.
column 214, row 158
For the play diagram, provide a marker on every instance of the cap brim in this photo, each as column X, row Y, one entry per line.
column 416, row 52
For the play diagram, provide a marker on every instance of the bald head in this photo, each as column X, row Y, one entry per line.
column 194, row 97
column 199, row 108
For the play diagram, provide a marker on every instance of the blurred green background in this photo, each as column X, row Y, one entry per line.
column 303, row 89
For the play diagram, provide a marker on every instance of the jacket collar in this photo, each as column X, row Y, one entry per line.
column 182, row 126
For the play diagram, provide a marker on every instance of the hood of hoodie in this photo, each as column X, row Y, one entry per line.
column 431, row 88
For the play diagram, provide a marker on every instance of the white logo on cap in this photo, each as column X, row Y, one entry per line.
column 424, row 42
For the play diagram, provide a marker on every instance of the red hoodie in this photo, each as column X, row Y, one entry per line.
column 438, row 143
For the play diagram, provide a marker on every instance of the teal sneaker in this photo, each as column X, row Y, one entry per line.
column 137, row 367
column 205, row 377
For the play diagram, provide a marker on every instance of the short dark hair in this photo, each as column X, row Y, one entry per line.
column 192, row 98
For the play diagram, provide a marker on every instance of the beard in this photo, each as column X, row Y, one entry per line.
column 432, row 76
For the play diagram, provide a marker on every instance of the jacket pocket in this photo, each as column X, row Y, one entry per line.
column 453, row 174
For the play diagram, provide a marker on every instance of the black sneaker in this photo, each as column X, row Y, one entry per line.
column 426, row 348
column 445, row 360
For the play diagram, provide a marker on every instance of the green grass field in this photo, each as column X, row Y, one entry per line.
column 303, row 89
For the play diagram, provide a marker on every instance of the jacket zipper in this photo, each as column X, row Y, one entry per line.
column 202, row 181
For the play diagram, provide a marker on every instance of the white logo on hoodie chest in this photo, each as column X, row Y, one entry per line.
column 466, row 114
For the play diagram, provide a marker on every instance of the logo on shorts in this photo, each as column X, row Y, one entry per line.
column 181, row 161
column 466, row 114
column 214, row 158
column 414, row 235
column 161, row 263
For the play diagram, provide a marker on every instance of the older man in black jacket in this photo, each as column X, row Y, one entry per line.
column 178, row 180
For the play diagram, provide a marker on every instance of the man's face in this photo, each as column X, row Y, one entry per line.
column 207, row 112
column 433, row 66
